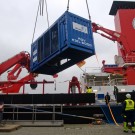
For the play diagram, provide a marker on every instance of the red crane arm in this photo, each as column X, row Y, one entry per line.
column 22, row 58
column 11, row 87
column 19, row 61
column 114, row 36
column 11, row 74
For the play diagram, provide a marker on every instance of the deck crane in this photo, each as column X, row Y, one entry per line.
column 127, row 65
column 19, row 61
column 124, row 19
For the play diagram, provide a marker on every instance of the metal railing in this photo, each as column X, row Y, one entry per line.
column 117, row 81
column 130, row 59
column 19, row 110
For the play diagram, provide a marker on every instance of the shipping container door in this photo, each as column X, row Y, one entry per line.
column 34, row 54
column 47, row 46
column 80, row 33
column 54, row 39
column 40, row 49
column 63, row 32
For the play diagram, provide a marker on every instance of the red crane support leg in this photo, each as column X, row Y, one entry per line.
column 73, row 84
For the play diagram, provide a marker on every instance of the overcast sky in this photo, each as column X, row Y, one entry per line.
column 17, row 19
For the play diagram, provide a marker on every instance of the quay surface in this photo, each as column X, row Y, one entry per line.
column 80, row 129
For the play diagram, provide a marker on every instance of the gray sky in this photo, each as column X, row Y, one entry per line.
column 17, row 19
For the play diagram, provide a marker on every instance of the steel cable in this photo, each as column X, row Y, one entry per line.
column 41, row 9
column 39, row 5
column 47, row 13
column 88, row 10
column 68, row 5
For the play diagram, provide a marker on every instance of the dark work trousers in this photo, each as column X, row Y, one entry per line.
column 1, row 116
column 130, row 117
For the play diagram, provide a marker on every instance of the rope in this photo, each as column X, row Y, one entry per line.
column 97, row 60
column 112, row 114
column 68, row 5
column 81, row 69
column 90, row 20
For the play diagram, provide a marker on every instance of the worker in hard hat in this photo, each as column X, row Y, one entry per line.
column 88, row 89
column 128, row 113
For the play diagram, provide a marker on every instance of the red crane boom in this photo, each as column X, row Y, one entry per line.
column 19, row 61
column 114, row 36
column 23, row 58
column 127, row 55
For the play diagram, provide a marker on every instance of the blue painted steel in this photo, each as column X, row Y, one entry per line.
column 100, row 96
column 116, row 110
column 69, row 37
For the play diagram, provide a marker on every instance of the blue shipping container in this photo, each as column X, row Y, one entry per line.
column 68, row 41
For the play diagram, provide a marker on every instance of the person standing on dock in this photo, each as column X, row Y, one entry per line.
column 128, row 113
column 107, row 98
column 115, row 92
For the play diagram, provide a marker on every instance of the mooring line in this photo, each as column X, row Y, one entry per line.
column 112, row 115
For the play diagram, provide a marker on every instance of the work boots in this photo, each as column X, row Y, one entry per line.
column 133, row 128
column 125, row 127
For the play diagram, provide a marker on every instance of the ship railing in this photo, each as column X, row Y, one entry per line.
column 17, row 113
column 117, row 81
column 130, row 59
column 98, row 83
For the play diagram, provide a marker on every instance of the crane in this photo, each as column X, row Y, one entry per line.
column 19, row 61
column 127, row 67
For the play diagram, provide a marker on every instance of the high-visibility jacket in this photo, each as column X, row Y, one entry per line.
column 129, row 104
column 89, row 90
